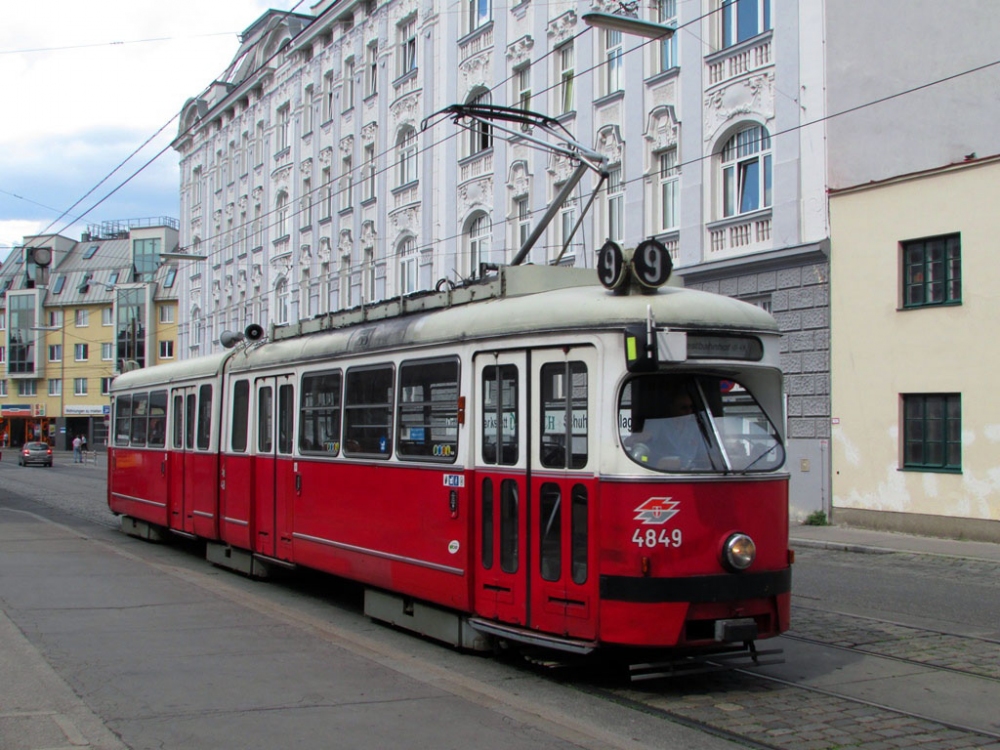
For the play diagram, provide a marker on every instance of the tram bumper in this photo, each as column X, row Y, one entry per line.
column 740, row 629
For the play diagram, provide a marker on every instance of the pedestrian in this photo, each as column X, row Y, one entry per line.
column 77, row 450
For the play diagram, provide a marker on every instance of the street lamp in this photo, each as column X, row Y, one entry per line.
column 635, row 26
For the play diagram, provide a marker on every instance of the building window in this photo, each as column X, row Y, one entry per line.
column 281, row 131
column 932, row 431
column 407, row 55
column 107, row 316
column 281, row 212
column 55, row 352
column 406, row 161
column 348, row 102
column 480, row 14
column 82, row 352
column 669, row 189
column 281, row 298
column 324, row 195
column 55, row 387
column 743, row 19
column 613, row 53
column 3, row 387
column 666, row 49
column 522, row 217
column 522, row 84
column 166, row 350
column 408, row 266
column 107, row 351
column 106, row 386
column 368, row 275
column 79, row 386
column 307, row 204
column 616, row 204
column 307, row 115
column 478, row 235
column 565, row 73
column 932, row 271
column 567, row 220
column 480, row 138
column 371, row 69
column 55, row 318
column 82, row 318
column 327, row 109
column 346, row 183
column 368, row 189
column 746, row 171
column 27, row 388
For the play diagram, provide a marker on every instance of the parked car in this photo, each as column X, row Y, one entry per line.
column 35, row 453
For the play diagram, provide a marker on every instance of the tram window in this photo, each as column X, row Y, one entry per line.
column 265, row 429
column 564, row 415
column 500, row 421
column 189, row 412
column 428, row 410
column 286, row 417
column 319, row 414
column 487, row 514
column 140, row 418
column 178, row 421
column 368, row 411
column 123, row 419
column 157, row 419
column 550, row 535
column 580, row 533
column 508, row 525
column 697, row 423
column 241, row 412
column 204, row 416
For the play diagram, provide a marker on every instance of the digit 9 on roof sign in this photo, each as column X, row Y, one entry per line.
column 610, row 265
column 652, row 264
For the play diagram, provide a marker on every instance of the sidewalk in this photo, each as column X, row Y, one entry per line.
column 882, row 542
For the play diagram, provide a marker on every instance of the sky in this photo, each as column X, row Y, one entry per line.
column 84, row 83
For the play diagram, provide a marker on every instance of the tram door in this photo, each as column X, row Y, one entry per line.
column 274, row 478
column 563, row 585
column 501, row 513
column 181, row 470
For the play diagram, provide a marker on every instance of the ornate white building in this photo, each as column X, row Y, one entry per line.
column 311, row 184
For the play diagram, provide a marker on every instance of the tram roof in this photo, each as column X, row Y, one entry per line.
column 533, row 300
column 528, row 300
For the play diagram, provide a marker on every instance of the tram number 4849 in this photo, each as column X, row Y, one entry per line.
column 652, row 537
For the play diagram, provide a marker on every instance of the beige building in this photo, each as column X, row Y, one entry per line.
column 75, row 314
column 916, row 421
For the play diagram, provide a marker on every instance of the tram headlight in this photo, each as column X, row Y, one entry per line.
column 738, row 552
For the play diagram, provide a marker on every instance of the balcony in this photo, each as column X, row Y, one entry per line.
column 739, row 235
column 738, row 60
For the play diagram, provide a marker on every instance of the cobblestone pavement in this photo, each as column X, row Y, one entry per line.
column 786, row 717
column 962, row 653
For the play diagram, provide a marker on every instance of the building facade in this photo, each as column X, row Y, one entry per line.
column 311, row 183
column 75, row 314
column 913, row 170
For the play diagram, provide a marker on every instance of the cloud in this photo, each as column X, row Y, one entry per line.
column 82, row 89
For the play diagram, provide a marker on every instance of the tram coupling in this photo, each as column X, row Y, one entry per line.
column 723, row 659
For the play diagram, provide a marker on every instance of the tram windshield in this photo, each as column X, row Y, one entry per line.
column 696, row 423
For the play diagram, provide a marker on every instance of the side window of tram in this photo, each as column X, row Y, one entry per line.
column 157, row 419
column 508, row 525
column 368, row 411
column 241, row 414
column 265, row 415
column 204, row 416
column 564, row 415
column 140, row 421
column 500, row 438
column 550, row 538
column 189, row 412
column 428, row 410
column 178, row 422
column 319, row 415
column 286, row 417
column 123, row 419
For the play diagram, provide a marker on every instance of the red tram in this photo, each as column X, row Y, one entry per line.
column 533, row 458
